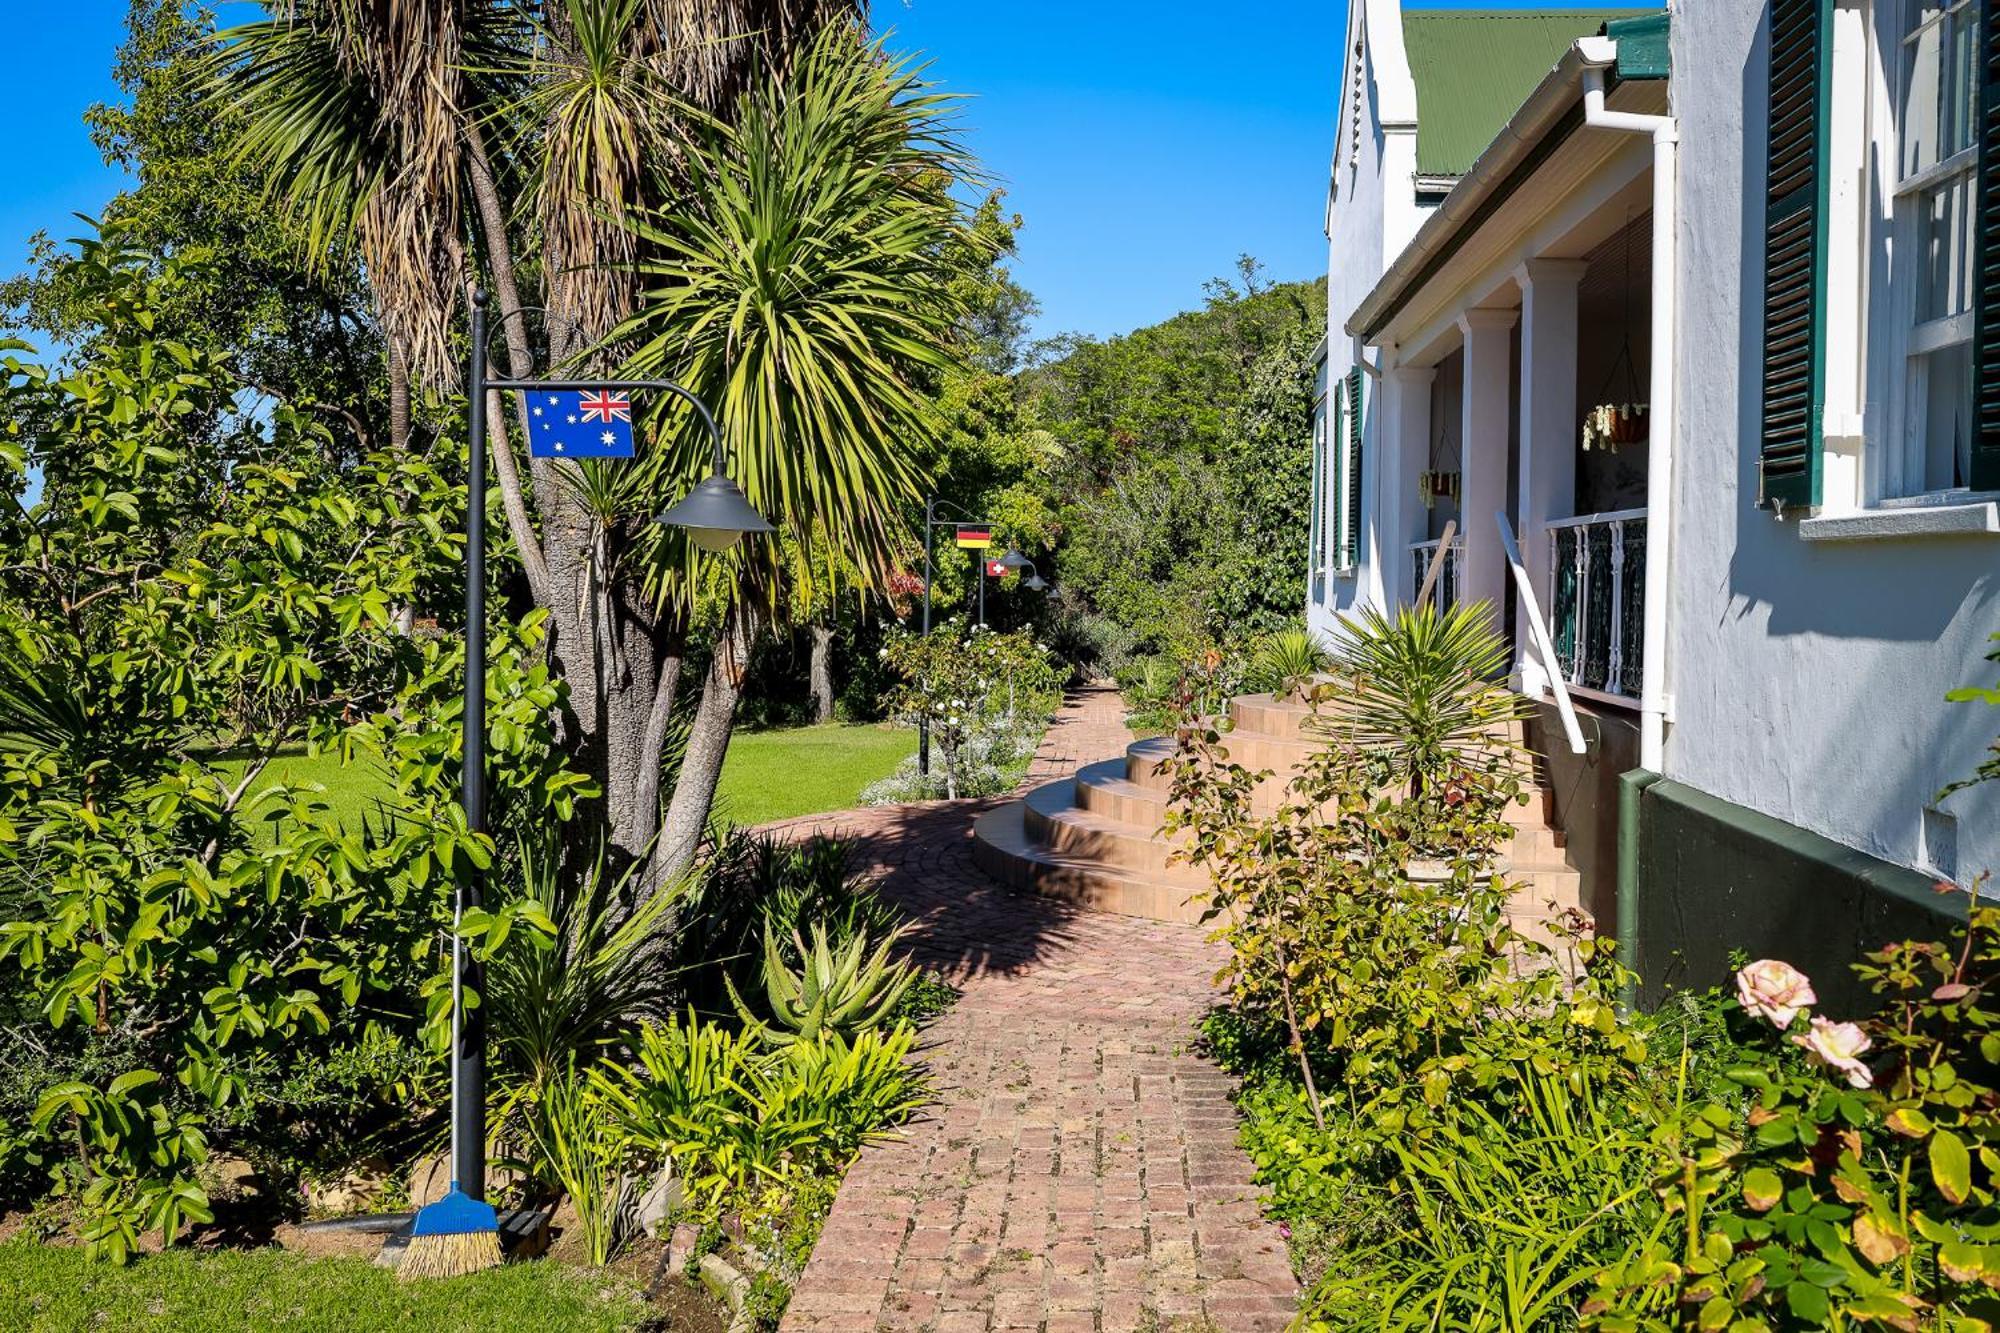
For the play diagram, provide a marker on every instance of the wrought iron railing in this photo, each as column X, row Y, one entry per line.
column 1444, row 594
column 1597, row 600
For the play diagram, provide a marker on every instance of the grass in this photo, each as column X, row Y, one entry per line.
column 768, row 774
column 55, row 1289
column 352, row 790
column 806, row 770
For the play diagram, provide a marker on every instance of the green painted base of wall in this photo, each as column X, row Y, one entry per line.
column 1716, row 877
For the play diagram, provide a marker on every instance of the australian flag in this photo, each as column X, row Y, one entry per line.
column 593, row 423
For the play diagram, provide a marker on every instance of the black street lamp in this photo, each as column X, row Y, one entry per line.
column 716, row 515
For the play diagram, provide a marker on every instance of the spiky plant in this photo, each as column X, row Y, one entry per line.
column 838, row 989
column 1426, row 687
column 1287, row 661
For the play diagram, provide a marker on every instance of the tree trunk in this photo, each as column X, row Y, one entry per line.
column 822, row 673
column 708, row 744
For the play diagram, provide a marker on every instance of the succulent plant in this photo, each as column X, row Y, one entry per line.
column 840, row 989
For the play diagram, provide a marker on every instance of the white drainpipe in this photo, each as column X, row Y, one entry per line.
column 1599, row 53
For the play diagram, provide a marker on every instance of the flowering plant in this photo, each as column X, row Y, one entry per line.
column 1852, row 1185
column 961, row 681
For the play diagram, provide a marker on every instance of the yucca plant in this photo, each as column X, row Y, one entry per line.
column 1426, row 687
column 1286, row 662
column 837, row 989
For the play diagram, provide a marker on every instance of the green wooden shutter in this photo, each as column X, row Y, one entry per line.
column 1986, row 311
column 1350, row 528
column 1795, row 252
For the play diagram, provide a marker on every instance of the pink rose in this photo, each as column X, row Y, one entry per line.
column 1775, row 990
column 1839, row 1046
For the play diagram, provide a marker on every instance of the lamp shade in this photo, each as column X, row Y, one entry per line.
column 1034, row 582
column 716, row 514
column 1014, row 560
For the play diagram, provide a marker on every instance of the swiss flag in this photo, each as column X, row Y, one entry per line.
column 994, row 569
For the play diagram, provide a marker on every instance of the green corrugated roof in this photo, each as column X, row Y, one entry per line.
column 1474, row 68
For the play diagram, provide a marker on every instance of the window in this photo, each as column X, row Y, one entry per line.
column 1929, row 49
column 1316, row 552
column 1881, row 311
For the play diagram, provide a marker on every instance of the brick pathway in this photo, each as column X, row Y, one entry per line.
column 1079, row 1170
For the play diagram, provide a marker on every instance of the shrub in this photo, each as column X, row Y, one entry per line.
column 731, row 1116
column 964, row 683
column 1286, row 661
column 835, row 990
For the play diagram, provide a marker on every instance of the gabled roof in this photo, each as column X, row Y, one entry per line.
column 1473, row 68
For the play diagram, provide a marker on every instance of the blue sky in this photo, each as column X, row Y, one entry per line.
column 1146, row 145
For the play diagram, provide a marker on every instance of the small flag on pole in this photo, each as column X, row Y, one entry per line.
column 592, row 423
column 995, row 569
column 974, row 537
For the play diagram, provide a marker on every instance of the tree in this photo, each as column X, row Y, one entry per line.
column 785, row 249
column 294, row 325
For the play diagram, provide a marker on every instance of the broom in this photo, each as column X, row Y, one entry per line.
column 459, row 1233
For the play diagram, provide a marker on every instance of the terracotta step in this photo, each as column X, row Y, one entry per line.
column 1103, row 789
column 1288, row 719
column 1001, row 847
column 1053, row 819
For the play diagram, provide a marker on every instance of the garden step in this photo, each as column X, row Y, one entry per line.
column 1002, row 848
column 1052, row 818
column 1286, row 719
column 1103, row 789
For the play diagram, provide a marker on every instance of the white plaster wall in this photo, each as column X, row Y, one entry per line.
column 1371, row 219
column 1808, row 679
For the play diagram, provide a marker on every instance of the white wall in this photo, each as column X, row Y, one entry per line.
column 1373, row 215
column 1808, row 678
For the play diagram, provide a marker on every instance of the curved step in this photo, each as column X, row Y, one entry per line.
column 1103, row 789
column 1052, row 818
column 1002, row 848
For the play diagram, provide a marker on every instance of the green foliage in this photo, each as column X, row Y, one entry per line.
column 970, row 685
column 1186, row 459
column 801, row 284
column 758, row 886
column 1424, row 688
column 731, row 1116
column 836, row 990
column 579, row 1140
column 1850, row 1184
column 1285, row 662
column 1989, row 768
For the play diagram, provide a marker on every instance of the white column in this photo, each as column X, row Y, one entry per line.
column 1548, row 427
column 1405, row 434
column 1483, row 479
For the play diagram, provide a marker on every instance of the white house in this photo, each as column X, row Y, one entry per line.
column 1701, row 311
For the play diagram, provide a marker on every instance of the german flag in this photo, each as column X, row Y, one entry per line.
column 974, row 536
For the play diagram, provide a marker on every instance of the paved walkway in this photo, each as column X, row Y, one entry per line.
column 1080, row 1169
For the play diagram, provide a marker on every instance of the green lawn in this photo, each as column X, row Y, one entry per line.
column 768, row 775
column 805, row 770
column 54, row 1289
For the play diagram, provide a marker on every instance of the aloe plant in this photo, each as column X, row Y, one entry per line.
column 840, row 988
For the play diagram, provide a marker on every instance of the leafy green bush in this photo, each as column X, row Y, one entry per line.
column 732, row 1116
column 754, row 885
column 968, row 683
column 580, row 1141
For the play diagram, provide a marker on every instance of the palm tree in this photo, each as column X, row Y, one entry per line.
column 742, row 195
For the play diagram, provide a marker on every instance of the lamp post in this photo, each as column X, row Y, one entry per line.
column 716, row 514
column 1013, row 559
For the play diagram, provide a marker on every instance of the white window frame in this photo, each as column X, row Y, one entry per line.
column 1875, row 451
column 1318, row 548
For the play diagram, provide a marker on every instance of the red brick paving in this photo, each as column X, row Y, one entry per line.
column 1080, row 1169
